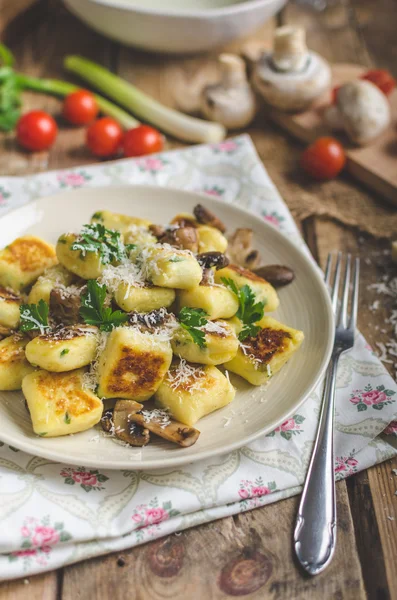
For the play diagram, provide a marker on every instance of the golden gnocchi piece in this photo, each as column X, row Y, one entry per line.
column 260, row 357
column 118, row 221
column 221, row 344
column 86, row 266
column 24, row 260
column 172, row 268
column 58, row 403
column 211, row 239
column 132, row 365
column 9, row 308
column 64, row 349
column 217, row 301
column 52, row 277
column 143, row 299
column 140, row 235
column 191, row 391
column 263, row 290
column 13, row 363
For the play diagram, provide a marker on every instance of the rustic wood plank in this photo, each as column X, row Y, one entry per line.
column 37, row 587
column 249, row 555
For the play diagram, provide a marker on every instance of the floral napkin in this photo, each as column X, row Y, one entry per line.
column 54, row 515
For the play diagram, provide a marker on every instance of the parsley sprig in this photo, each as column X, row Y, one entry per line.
column 249, row 311
column 94, row 237
column 191, row 319
column 94, row 312
column 34, row 316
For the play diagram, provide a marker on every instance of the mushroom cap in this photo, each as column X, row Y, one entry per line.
column 364, row 109
column 233, row 106
column 292, row 91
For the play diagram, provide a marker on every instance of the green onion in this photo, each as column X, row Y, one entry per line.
column 63, row 88
column 171, row 121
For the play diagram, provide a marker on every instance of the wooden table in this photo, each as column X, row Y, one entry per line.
column 365, row 562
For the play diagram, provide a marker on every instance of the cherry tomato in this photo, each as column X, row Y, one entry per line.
column 142, row 140
column 382, row 79
column 80, row 107
column 36, row 130
column 323, row 159
column 104, row 137
column 334, row 93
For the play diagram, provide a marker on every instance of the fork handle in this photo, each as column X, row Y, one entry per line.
column 315, row 530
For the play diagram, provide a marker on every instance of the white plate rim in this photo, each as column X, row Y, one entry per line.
column 131, row 465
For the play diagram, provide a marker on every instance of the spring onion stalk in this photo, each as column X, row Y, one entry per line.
column 63, row 88
column 183, row 127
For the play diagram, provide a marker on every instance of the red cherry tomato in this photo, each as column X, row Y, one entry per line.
column 104, row 137
column 382, row 79
column 334, row 93
column 80, row 107
column 323, row 159
column 142, row 140
column 36, row 130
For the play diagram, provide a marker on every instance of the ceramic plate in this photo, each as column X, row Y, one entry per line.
column 256, row 410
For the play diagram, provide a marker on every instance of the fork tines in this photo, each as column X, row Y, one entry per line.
column 343, row 322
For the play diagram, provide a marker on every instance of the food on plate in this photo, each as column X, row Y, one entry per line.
column 13, row 362
column 10, row 302
column 230, row 101
column 135, row 315
column 191, row 391
column 80, row 107
column 59, row 404
column 291, row 77
column 22, row 261
column 259, row 357
column 324, row 159
column 36, row 130
column 277, row 275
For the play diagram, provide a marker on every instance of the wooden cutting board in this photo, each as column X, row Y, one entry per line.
column 374, row 165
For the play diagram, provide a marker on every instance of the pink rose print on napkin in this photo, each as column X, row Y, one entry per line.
column 289, row 428
column 226, row 147
column 147, row 517
column 151, row 164
column 274, row 218
column 391, row 429
column 73, row 179
column 213, row 191
column 375, row 398
column 345, row 466
column 87, row 479
column 252, row 492
column 38, row 541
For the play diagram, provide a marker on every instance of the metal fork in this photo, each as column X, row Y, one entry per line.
column 315, row 530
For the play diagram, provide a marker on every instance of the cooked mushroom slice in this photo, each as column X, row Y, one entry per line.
column 124, row 428
column 212, row 259
column 206, row 217
column 240, row 250
column 159, row 422
column 157, row 230
column 65, row 303
column 107, row 421
column 277, row 275
column 185, row 238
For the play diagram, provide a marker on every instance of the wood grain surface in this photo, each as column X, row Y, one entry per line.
column 249, row 555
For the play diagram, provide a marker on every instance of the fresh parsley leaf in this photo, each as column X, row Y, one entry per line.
column 176, row 259
column 67, row 418
column 107, row 243
column 34, row 316
column 94, row 312
column 65, row 351
column 249, row 311
column 191, row 319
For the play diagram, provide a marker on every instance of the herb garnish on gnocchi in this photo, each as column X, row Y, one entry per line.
column 136, row 325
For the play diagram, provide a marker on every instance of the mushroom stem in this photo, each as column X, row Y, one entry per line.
column 232, row 70
column 290, row 52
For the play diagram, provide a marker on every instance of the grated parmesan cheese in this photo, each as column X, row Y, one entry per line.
column 90, row 378
column 185, row 375
column 159, row 415
column 128, row 273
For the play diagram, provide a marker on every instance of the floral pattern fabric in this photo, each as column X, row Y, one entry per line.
column 52, row 515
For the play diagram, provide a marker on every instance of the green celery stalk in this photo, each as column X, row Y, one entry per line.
column 171, row 121
column 63, row 88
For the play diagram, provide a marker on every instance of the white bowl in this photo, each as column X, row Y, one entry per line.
column 173, row 31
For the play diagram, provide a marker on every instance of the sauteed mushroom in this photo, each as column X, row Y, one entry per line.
column 212, row 259
column 206, row 217
column 277, row 275
column 159, row 422
column 122, row 426
column 240, row 250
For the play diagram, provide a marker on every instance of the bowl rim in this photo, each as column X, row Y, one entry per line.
column 233, row 9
